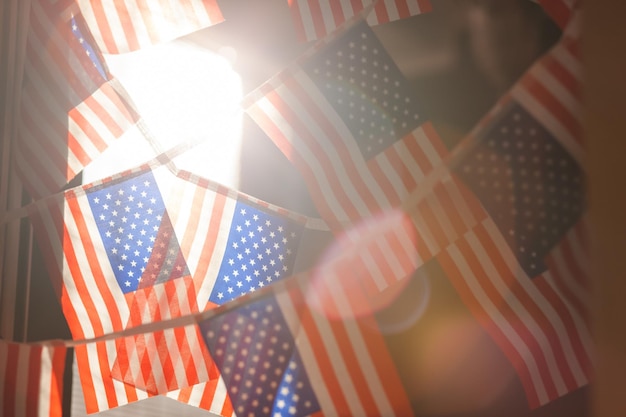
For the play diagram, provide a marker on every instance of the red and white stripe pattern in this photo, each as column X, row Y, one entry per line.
column 124, row 26
column 164, row 360
column 551, row 91
column 103, row 392
column 532, row 319
column 314, row 19
column 31, row 379
column 69, row 112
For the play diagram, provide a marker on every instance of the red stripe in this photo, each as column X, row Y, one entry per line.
column 213, row 10
column 10, row 376
column 59, row 354
column 557, row 10
column 382, row 16
column 425, row 6
column 403, row 8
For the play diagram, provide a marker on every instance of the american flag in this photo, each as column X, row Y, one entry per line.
column 523, row 271
column 71, row 108
column 149, row 245
column 345, row 117
column 31, row 379
column 314, row 19
column 281, row 357
column 124, row 26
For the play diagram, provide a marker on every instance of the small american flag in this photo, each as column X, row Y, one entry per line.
column 345, row 117
column 279, row 356
column 314, row 19
column 31, row 379
column 71, row 108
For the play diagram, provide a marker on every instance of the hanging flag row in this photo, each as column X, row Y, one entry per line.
column 154, row 244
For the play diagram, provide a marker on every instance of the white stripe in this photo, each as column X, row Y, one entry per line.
column 152, row 352
column 137, row 20
column 196, row 346
column 265, row 106
column 392, row 10
column 45, row 380
column 499, row 321
column 414, row 7
column 540, row 301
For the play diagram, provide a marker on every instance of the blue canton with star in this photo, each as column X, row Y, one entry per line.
column 258, row 360
column 531, row 186
column 261, row 249
column 88, row 46
column 136, row 232
column 366, row 88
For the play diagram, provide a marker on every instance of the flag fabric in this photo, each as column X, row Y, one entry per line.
column 314, row 19
column 523, row 271
column 124, row 26
column 149, row 245
column 561, row 11
column 71, row 108
column 281, row 357
column 31, row 379
column 345, row 117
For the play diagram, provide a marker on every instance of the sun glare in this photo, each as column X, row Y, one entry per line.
column 183, row 93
